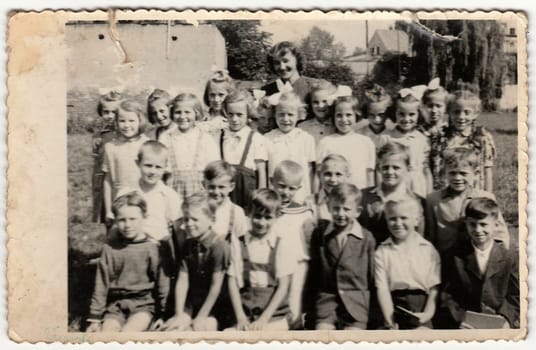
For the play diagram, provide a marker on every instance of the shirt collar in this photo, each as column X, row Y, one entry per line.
column 401, row 190
column 269, row 238
column 483, row 253
column 374, row 132
column 448, row 193
column 413, row 237
column 412, row 134
column 240, row 134
column 354, row 230
column 207, row 238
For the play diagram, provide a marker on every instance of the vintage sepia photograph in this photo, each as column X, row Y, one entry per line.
column 285, row 177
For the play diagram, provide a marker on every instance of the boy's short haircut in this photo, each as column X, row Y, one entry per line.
column 458, row 157
column 288, row 168
column 265, row 201
column 391, row 149
column 480, row 208
column 157, row 94
column 188, row 97
column 333, row 158
column 281, row 49
column 240, row 95
column 407, row 200
column 131, row 199
column 344, row 192
column 217, row 169
column 198, row 200
column 134, row 107
column 153, row 146
column 466, row 92
column 112, row 96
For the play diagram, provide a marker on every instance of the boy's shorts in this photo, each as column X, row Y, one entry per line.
column 122, row 309
column 330, row 309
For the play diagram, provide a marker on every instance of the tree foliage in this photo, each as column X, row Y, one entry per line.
column 324, row 57
column 247, row 48
column 474, row 55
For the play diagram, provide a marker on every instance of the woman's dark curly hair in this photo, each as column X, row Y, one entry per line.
column 280, row 49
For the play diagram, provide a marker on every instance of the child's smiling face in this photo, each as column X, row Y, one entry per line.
column 481, row 231
column 160, row 112
column 345, row 117
column 402, row 219
column 320, row 104
column 462, row 114
column 218, row 189
column 197, row 221
column 184, row 115
column 152, row 166
column 393, row 170
column 407, row 115
column 286, row 116
column 129, row 221
column 343, row 213
column 460, row 177
column 261, row 222
column 333, row 174
column 216, row 95
column 128, row 123
column 237, row 115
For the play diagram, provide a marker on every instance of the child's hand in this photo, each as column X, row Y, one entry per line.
column 177, row 323
column 157, row 325
column 93, row 327
column 243, row 324
column 423, row 317
column 200, row 324
column 464, row 325
column 259, row 324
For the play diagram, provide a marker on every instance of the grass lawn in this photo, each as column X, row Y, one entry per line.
column 86, row 238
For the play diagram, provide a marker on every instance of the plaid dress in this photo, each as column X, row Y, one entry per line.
column 186, row 181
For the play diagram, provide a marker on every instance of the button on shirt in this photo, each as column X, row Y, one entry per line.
column 318, row 129
column 482, row 257
column 259, row 250
column 234, row 144
column 411, row 264
column 185, row 148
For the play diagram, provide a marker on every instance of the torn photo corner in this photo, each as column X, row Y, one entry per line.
column 122, row 122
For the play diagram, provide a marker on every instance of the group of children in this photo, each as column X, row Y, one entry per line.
column 284, row 209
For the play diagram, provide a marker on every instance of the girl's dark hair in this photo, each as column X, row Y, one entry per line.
column 112, row 96
column 282, row 48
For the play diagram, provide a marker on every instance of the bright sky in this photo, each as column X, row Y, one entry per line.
column 350, row 33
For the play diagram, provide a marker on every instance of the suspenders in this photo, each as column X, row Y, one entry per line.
column 246, row 148
column 250, row 266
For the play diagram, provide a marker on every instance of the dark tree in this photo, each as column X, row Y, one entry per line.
column 470, row 51
column 247, row 47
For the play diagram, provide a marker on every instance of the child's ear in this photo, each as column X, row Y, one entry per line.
column 233, row 185
column 358, row 210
